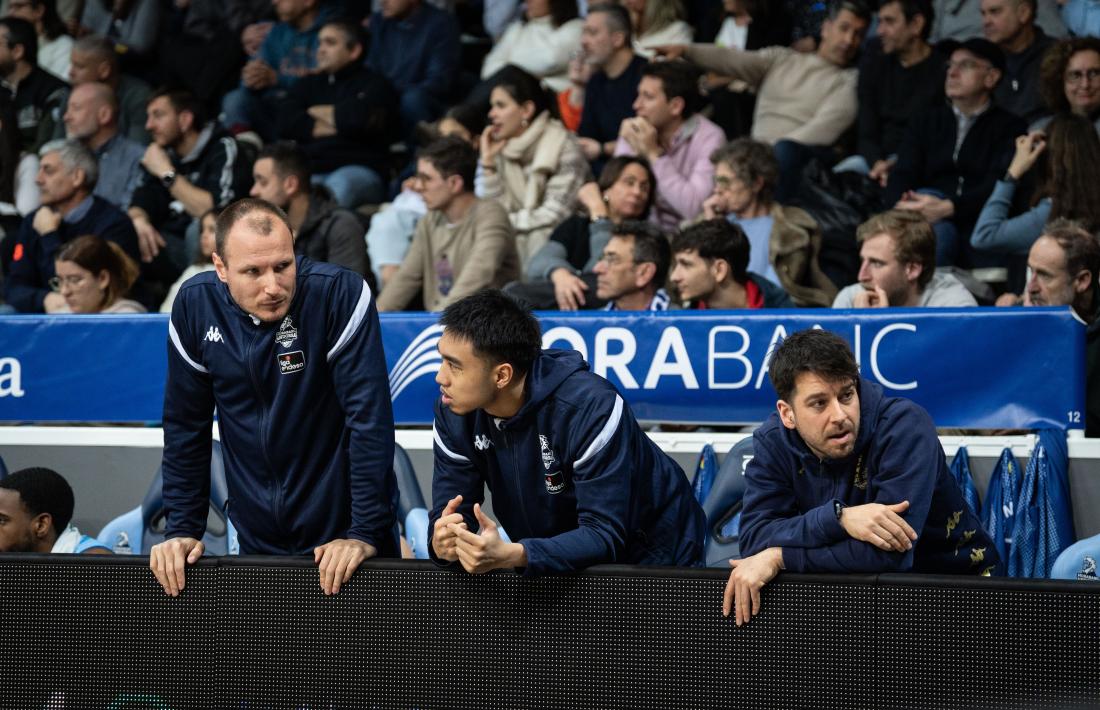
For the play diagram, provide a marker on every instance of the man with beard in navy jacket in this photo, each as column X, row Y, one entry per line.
column 574, row 479
column 290, row 353
column 845, row 479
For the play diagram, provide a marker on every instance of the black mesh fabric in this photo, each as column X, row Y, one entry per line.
column 258, row 633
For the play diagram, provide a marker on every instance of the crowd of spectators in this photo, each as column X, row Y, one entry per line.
column 442, row 147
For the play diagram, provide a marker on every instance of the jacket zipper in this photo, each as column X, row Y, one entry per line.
column 276, row 483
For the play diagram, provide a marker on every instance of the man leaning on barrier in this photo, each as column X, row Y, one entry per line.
column 575, row 480
column 846, row 479
column 290, row 352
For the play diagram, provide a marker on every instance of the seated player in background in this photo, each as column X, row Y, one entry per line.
column 575, row 480
column 846, row 479
column 36, row 507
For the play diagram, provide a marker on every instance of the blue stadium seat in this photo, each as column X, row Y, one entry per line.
column 723, row 506
column 1079, row 561
column 3, row 468
column 138, row 530
column 412, row 511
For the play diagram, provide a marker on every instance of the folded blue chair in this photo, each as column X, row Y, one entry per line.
column 706, row 468
column 412, row 511
column 135, row 532
column 723, row 506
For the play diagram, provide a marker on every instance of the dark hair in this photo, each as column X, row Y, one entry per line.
column 911, row 8
column 820, row 352
column 1071, row 170
column 469, row 116
column 352, row 31
column 451, row 155
column 96, row 255
column 22, row 32
column 523, row 87
column 1082, row 251
column 182, row 100
column 751, row 161
column 9, row 148
column 562, row 11
column 52, row 24
column 200, row 258
column 717, row 239
column 43, row 490
column 914, row 240
column 859, row 8
column 678, row 80
column 498, row 328
column 288, row 159
column 241, row 209
column 618, row 20
column 613, row 170
column 1052, row 70
column 650, row 246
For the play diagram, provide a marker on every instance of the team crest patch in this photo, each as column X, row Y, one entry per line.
column 555, row 480
column 291, row 362
column 287, row 333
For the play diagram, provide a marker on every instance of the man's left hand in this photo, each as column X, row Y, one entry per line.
column 156, row 160
column 338, row 560
column 484, row 551
column 748, row 577
column 324, row 120
column 46, row 220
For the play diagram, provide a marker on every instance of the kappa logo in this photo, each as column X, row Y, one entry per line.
column 420, row 358
column 482, row 442
column 213, row 335
column 287, row 333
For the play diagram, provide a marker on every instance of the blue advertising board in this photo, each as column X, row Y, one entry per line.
column 973, row 368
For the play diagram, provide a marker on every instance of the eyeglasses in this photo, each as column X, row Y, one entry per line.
column 967, row 65
column 70, row 281
column 1078, row 75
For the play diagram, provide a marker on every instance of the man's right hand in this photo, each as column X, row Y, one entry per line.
column 568, row 289
column 591, row 148
column 714, row 207
column 253, row 36
column 880, row 171
column 875, row 298
column 881, row 525
column 149, row 240
column 169, row 559
column 443, row 539
column 46, row 220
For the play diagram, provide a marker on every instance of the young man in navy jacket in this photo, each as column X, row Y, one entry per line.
column 290, row 353
column 575, row 481
column 844, row 479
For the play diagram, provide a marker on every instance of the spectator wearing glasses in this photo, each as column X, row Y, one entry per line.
column 631, row 273
column 1071, row 79
column 66, row 177
column 94, row 276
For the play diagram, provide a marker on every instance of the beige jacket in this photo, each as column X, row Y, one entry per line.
column 537, row 178
column 478, row 252
column 793, row 249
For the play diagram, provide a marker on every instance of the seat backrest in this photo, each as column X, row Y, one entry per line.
column 217, row 535
column 410, row 496
column 3, row 469
column 723, row 505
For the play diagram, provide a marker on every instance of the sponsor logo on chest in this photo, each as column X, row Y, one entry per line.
column 294, row 361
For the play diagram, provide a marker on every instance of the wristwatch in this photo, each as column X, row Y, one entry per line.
column 168, row 179
column 838, row 508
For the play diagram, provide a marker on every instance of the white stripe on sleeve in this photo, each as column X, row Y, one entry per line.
column 444, row 449
column 354, row 322
column 175, row 338
column 602, row 439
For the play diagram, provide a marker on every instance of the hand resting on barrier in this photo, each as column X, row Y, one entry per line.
column 485, row 551
column 169, row 559
column 748, row 577
column 337, row 561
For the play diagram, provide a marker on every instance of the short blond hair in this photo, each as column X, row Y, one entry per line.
column 914, row 240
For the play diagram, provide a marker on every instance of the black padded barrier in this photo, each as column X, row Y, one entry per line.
column 252, row 633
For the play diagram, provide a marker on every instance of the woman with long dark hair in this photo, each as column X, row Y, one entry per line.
column 530, row 162
column 1068, row 154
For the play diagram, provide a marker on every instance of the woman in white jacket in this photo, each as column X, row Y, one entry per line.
column 541, row 43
